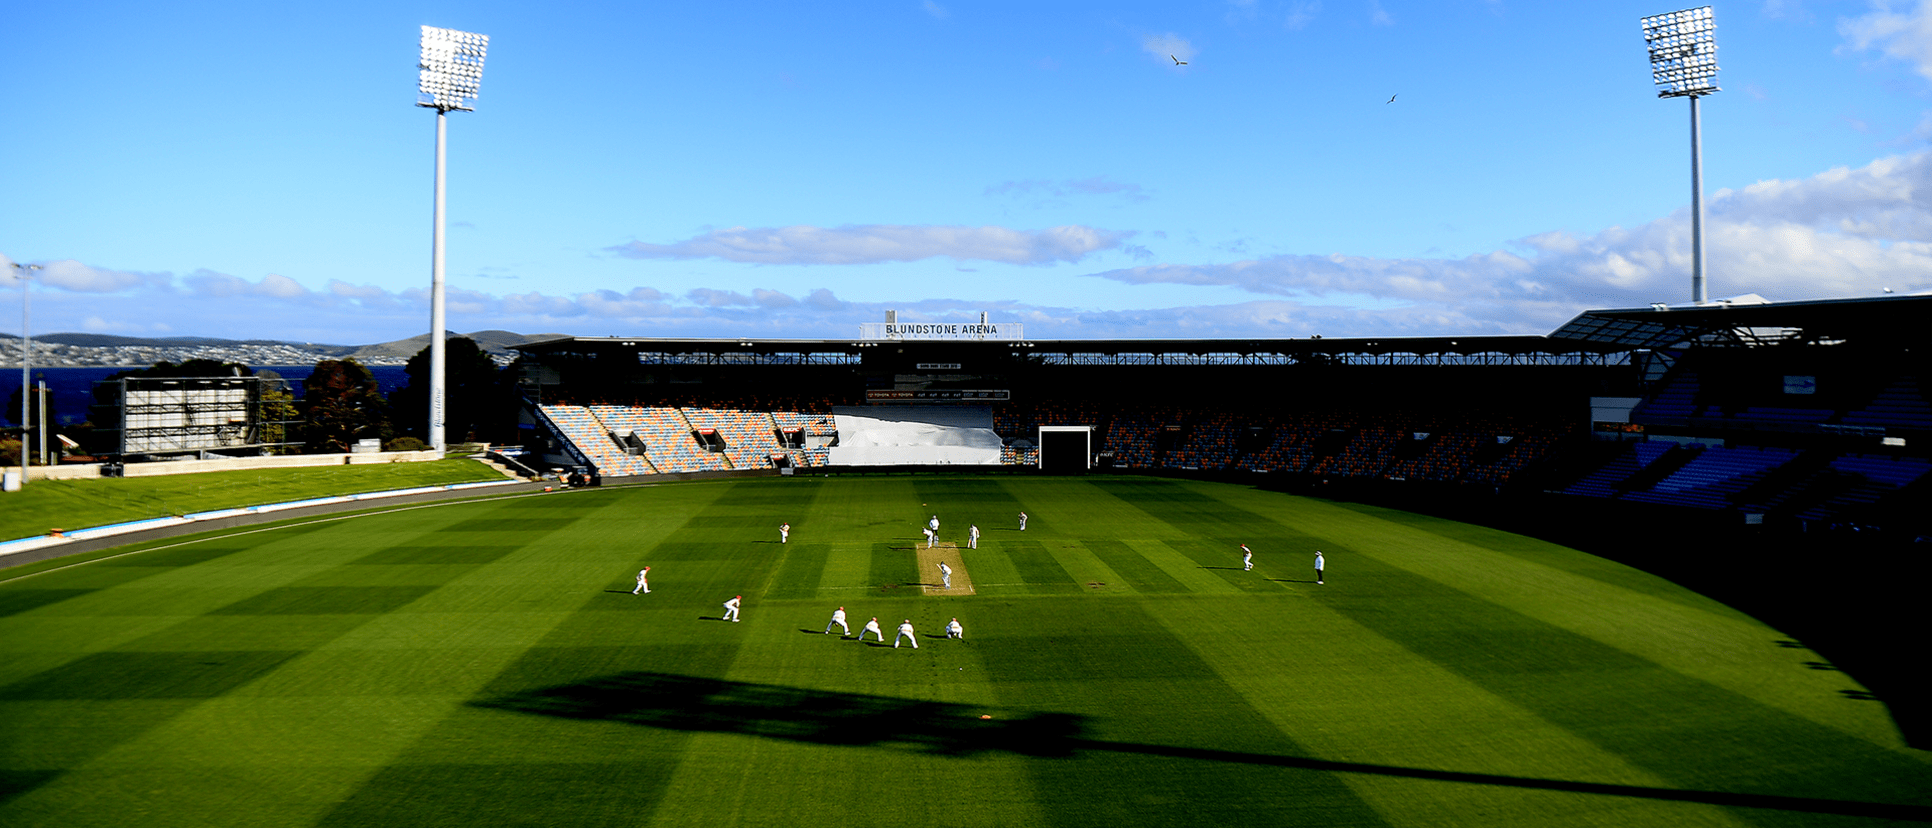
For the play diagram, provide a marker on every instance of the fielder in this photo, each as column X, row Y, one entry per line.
column 945, row 575
column 872, row 627
column 731, row 609
column 838, row 617
column 1247, row 558
column 954, row 630
column 784, row 532
column 905, row 631
column 1318, row 566
column 1022, row 521
column 643, row 581
column 972, row 537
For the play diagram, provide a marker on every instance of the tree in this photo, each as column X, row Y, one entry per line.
column 36, row 399
column 343, row 407
column 278, row 408
column 477, row 401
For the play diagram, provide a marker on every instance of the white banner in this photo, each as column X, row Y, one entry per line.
column 993, row 331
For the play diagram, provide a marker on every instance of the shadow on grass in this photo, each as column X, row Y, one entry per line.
column 712, row 705
column 687, row 703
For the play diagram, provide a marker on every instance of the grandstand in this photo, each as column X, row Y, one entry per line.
column 1794, row 411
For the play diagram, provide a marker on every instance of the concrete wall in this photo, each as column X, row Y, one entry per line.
column 194, row 466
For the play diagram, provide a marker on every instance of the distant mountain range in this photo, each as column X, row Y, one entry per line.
column 80, row 349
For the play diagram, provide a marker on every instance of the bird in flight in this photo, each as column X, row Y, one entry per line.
column 1391, row 99
column 1177, row 61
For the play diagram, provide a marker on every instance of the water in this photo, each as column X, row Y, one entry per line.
column 73, row 388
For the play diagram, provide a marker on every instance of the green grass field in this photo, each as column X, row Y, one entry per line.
column 77, row 504
column 484, row 664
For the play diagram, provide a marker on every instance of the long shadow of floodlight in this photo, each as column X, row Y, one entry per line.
column 687, row 703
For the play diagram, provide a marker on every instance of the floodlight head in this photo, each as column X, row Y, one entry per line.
column 452, row 69
column 1683, row 52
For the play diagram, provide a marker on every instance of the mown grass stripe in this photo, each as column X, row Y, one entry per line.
column 798, row 576
column 14, row 602
column 1627, row 705
column 847, row 566
column 1222, row 558
column 1109, row 674
column 1037, row 567
column 894, row 565
column 1140, row 573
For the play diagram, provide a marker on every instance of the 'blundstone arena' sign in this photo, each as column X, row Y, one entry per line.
column 994, row 331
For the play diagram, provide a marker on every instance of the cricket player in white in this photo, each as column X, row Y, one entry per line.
column 972, row 537
column 643, row 581
column 945, row 575
column 1318, row 566
column 784, row 533
column 838, row 617
column 905, row 631
column 930, row 537
column 1022, row 521
column 954, row 630
column 731, row 609
column 872, row 627
column 1247, row 558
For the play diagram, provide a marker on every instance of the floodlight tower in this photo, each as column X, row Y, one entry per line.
column 451, row 70
column 25, row 272
column 1683, row 61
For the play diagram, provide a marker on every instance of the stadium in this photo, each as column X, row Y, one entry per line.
column 1653, row 568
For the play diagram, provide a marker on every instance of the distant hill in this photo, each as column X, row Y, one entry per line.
column 492, row 342
column 89, row 340
column 89, row 349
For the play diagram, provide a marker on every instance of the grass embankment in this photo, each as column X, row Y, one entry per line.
column 44, row 505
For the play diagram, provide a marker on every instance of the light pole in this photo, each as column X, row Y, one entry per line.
column 451, row 70
column 1683, row 61
column 25, row 272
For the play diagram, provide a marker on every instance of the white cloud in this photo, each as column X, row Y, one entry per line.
column 1301, row 13
column 1906, row 35
column 875, row 243
column 67, row 274
column 1840, row 233
column 1378, row 15
column 937, row 11
column 1168, row 48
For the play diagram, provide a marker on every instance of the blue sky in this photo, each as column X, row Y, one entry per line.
column 792, row 170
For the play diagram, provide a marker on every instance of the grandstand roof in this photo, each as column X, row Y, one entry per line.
column 1357, row 350
column 1751, row 321
column 1593, row 337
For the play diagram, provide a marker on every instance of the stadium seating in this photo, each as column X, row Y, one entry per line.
column 750, row 437
column 592, row 436
column 1603, row 481
column 1713, row 476
column 667, row 437
column 1867, row 479
column 1901, row 405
